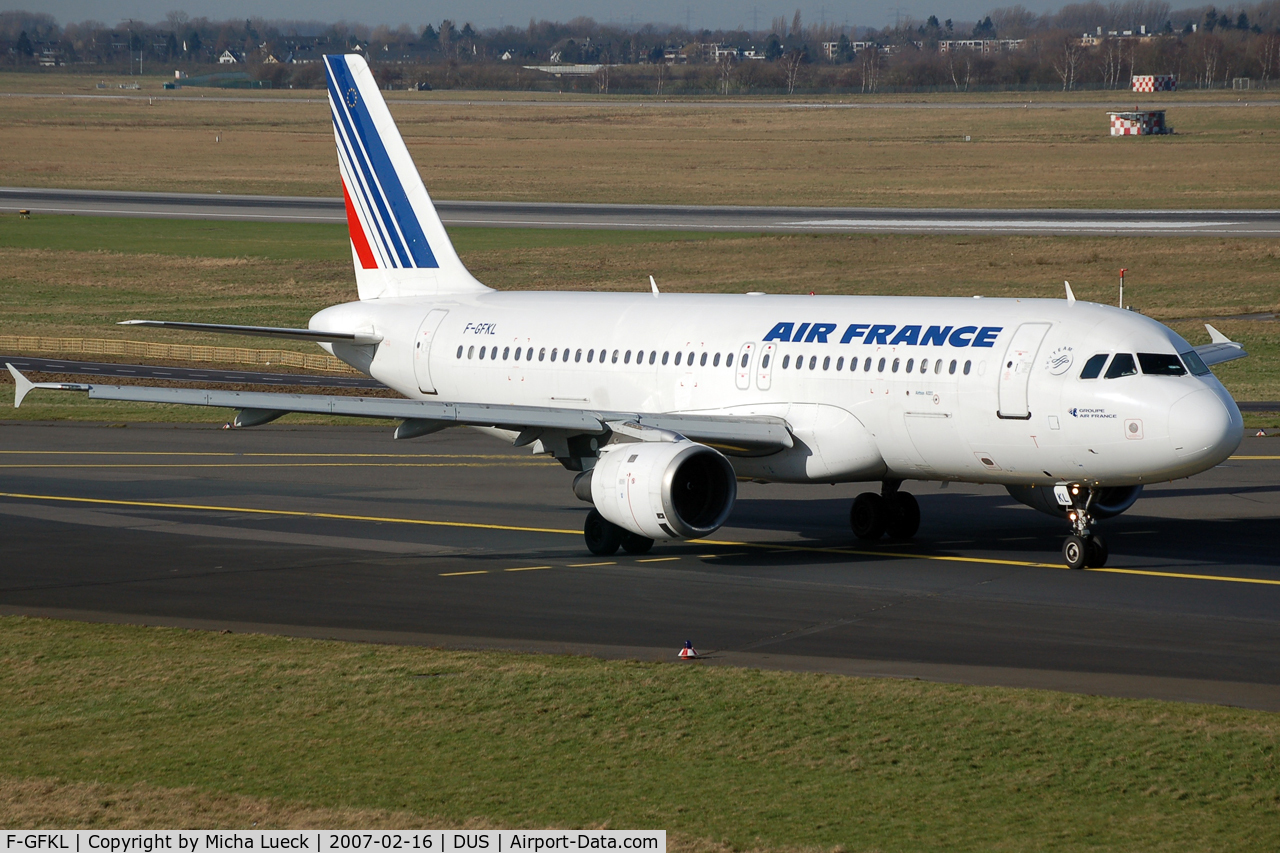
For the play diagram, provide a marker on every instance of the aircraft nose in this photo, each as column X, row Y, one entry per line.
column 1202, row 424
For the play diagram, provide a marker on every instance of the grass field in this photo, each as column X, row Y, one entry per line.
column 659, row 153
column 78, row 276
column 129, row 726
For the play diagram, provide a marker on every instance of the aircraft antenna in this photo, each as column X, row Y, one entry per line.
column 653, row 284
column 1071, row 297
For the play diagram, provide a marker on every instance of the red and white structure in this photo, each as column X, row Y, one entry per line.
column 1155, row 82
column 1138, row 123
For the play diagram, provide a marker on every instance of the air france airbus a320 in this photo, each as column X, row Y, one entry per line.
column 662, row 402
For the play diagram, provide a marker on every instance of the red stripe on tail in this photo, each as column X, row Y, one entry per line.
column 358, row 239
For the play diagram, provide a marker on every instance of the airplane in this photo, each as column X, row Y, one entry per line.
column 660, row 403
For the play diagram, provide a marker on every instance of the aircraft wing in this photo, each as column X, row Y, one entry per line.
column 313, row 335
column 424, row 416
column 1219, row 349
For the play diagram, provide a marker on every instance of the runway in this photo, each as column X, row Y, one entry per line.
column 773, row 220
column 459, row 540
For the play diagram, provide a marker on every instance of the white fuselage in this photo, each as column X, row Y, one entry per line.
column 981, row 390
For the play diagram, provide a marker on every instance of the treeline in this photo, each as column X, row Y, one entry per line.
column 1084, row 45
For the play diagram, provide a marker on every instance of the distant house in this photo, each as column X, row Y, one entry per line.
column 507, row 56
column 228, row 58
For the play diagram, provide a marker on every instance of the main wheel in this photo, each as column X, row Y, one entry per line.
column 1098, row 550
column 868, row 516
column 903, row 516
column 1076, row 552
column 634, row 543
column 603, row 536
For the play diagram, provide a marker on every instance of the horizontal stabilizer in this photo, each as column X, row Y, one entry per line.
column 313, row 335
column 1219, row 349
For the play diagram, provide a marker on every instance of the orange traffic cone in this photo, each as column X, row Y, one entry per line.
column 688, row 652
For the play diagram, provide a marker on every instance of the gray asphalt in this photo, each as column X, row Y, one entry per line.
column 784, row 220
column 27, row 363
column 459, row 540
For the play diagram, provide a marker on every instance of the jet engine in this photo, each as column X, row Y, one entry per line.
column 1110, row 501
column 661, row 489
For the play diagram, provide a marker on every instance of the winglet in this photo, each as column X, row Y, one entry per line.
column 1071, row 297
column 22, row 383
column 653, row 284
column 1217, row 337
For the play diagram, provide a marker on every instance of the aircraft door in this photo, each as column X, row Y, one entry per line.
column 422, row 350
column 764, row 366
column 1015, row 370
column 744, row 366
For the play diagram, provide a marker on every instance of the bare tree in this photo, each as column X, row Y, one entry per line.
column 791, row 64
column 869, row 65
column 960, row 69
column 602, row 80
column 1066, row 61
column 1112, row 62
column 1208, row 55
column 725, row 70
column 662, row 73
column 1269, row 55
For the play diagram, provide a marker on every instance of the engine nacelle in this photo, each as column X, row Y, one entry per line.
column 663, row 489
column 1110, row 501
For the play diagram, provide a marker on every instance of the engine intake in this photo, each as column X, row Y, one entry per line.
column 1110, row 502
column 663, row 490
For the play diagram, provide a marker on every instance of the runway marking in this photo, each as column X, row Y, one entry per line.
column 776, row 549
column 589, row 565
column 1256, row 458
column 526, row 568
column 290, row 513
column 263, row 455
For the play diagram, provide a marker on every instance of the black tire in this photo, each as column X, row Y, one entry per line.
column 1099, row 551
column 634, row 543
column 903, row 516
column 603, row 536
column 868, row 516
column 1076, row 552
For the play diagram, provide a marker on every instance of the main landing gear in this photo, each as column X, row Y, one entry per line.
column 604, row 537
column 891, row 512
column 1083, row 549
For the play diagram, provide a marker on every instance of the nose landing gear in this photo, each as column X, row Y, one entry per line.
column 1083, row 549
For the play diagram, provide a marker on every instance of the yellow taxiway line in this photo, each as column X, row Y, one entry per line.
column 735, row 544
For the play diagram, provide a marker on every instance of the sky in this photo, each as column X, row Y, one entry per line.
column 728, row 14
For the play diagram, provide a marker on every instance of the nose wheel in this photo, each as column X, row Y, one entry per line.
column 1083, row 549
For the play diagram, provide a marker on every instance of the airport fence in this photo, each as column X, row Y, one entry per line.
column 31, row 345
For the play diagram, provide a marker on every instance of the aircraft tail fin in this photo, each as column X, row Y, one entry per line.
column 398, row 242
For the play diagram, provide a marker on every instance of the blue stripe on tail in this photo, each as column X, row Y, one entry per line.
column 406, row 239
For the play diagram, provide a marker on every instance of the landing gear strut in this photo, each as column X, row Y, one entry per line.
column 891, row 512
column 1083, row 549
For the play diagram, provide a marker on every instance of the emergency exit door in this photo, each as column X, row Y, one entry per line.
column 1015, row 370
column 422, row 350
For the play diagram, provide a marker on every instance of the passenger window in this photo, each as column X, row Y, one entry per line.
column 745, row 360
column 924, row 366
column 507, row 351
column 840, row 363
column 715, row 362
column 826, row 363
column 911, row 362
column 952, row 369
column 813, row 362
column 590, row 355
column 1193, row 361
column 702, row 362
column 1093, row 367
column 626, row 359
column 542, row 353
column 728, row 360
column 577, row 356
column 459, row 350
column 786, row 362
column 866, row 366
column 504, row 354
column 553, row 354
column 1160, row 364
column 764, row 365
column 679, row 356
column 482, row 353
column 895, row 365
column 665, row 355
column 614, row 360
column 967, row 365
column 653, row 354
column 690, row 360
column 471, row 351
column 880, row 366
column 1121, row 365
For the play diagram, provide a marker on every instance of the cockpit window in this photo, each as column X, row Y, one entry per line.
column 1093, row 367
column 1195, row 363
column 1161, row 364
column 1122, row 365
